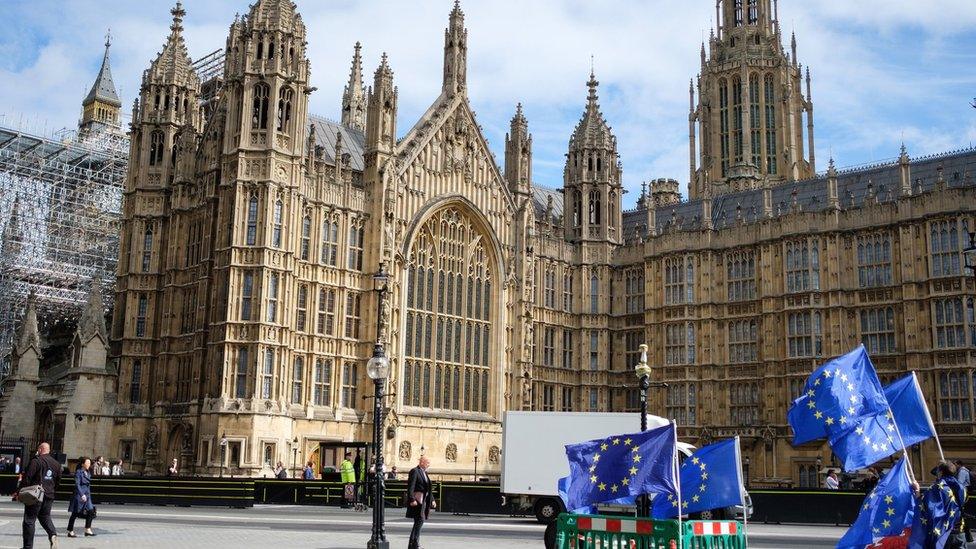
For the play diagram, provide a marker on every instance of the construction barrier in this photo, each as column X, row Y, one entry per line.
column 603, row 532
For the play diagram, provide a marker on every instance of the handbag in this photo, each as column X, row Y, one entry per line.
column 31, row 495
column 89, row 512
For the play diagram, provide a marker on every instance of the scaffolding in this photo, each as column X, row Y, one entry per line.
column 60, row 208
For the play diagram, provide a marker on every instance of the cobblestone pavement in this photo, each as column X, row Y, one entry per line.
column 283, row 526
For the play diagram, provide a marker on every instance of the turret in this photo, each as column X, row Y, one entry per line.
column 102, row 104
column 354, row 96
column 518, row 155
column 592, row 177
column 381, row 117
column 455, row 52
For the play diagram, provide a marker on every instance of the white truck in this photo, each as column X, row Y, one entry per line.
column 534, row 452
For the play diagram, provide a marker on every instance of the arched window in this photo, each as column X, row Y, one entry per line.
column 770, row 101
column 156, row 140
column 753, row 11
column 276, row 228
column 259, row 112
column 594, row 207
column 252, row 221
column 737, row 120
column 612, row 209
column 594, row 294
column 284, row 108
column 449, row 314
column 306, row 236
column 147, row 246
column 577, row 208
column 272, row 296
column 260, row 52
column 723, row 99
column 298, row 379
column 738, row 13
column 755, row 122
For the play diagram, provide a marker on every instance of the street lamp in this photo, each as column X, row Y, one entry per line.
column 223, row 452
column 476, row 464
column 378, row 369
column 294, row 458
column 747, row 471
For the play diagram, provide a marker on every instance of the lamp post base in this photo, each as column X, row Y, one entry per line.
column 383, row 544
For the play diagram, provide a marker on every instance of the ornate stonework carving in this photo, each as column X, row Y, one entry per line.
column 494, row 455
column 405, row 450
column 450, row 453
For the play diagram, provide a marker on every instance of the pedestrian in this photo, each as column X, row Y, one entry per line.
column 3, row 464
column 308, row 473
column 392, row 473
column 280, row 472
column 100, row 467
column 81, row 504
column 874, row 475
column 420, row 500
column 962, row 475
column 946, row 470
column 45, row 471
column 17, row 469
column 117, row 470
column 831, row 482
column 347, row 475
column 174, row 469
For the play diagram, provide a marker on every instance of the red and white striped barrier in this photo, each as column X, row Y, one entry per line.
column 715, row 528
column 623, row 526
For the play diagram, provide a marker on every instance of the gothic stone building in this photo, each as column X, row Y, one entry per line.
column 244, row 308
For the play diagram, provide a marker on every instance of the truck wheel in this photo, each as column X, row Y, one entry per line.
column 547, row 510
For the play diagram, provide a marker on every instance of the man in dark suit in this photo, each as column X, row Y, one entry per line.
column 419, row 500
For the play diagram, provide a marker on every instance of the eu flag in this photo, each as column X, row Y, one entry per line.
column 710, row 479
column 911, row 413
column 622, row 465
column 835, row 395
column 937, row 515
column 868, row 440
column 886, row 511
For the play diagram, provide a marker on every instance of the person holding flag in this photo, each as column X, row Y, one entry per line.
column 938, row 522
column 710, row 479
column 886, row 515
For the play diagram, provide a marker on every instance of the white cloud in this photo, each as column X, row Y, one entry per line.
column 880, row 67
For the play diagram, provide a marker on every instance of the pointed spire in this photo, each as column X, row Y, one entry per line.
column 103, row 89
column 174, row 61
column 592, row 130
column 92, row 321
column 28, row 334
column 353, row 97
column 793, row 46
column 455, row 52
column 178, row 14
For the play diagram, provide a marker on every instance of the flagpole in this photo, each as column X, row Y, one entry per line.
column 742, row 490
column 904, row 449
column 928, row 415
column 677, row 477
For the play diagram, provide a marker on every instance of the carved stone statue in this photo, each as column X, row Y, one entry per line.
column 405, row 450
column 450, row 454
column 152, row 439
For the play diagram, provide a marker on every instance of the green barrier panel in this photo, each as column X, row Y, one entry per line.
column 603, row 532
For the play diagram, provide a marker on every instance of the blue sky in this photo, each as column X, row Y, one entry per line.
column 883, row 70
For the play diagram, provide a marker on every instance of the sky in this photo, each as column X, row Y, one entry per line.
column 884, row 71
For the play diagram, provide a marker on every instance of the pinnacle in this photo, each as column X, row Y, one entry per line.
column 178, row 14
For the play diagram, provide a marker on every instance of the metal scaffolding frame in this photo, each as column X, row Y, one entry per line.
column 60, row 207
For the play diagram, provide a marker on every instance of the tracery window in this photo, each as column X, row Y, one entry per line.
column 944, row 246
column 744, row 403
column 804, row 334
column 594, row 294
column 272, row 298
column 568, row 291
column 325, row 323
column 142, row 310
column 156, row 140
column 267, row 374
column 950, row 324
column 802, row 265
column 306, row 237
column 737, row 120
column 449, row 314
column 548, row 397
column 284, row 108
column 634, row 290
column 594, row 207
column 743, row 338
column 594, row 350
column 330, row 242
column 240, row 383
column 549, row 346
column 322, row 382
column 682, row 403
column 567, row 348
column 252, row 221
column 352, row 315
column 770, row 101
column 350, row 382
column 738, row 13
column 298, row 381
column 549, row 288
column 301, row 308
column 247, row 294
column 873, row 261
column 276, row 229
column 878, row 330
column 633, row 340
column 355, row 258
column 567, row 399
column 577, row 208
column 753, row 11
column 679, row 280
column 956, row 391
column 741, row 275
column 723, row 99
column 259, row 110
column 679, row 343
column 135, row 385
column 755, row 119
column 147, row 245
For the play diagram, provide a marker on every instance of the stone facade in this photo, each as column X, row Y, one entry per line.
column 244, row 309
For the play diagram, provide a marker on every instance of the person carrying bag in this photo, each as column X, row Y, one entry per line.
column 39, row 484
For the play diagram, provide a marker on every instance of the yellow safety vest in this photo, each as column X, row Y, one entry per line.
column 347, row 472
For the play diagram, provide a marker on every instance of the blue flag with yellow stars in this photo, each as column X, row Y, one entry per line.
column 710, row 479
column 937, row 515
column 622, row 465
column 911, row 413
column 871, row 439
column 835, row 396
column 886, row 511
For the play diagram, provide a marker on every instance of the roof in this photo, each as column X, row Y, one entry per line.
column 540, row 199
column 353, row 140
column 103, row 89
column 855, row 187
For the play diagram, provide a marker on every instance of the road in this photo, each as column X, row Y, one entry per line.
column 130, row 526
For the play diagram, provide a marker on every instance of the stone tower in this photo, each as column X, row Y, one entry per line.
column 381, row 114
column 102, row 105
column 354, row 96
column 518, row 156
column 19, row 394
column 750, row 108
column 168, row 103
column 455, row 52
column 592, row 177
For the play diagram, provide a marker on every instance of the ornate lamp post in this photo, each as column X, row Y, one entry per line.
column 378, row 369
column 476, row 464
column 294, row 456
column 643, row 372
column 223, row 452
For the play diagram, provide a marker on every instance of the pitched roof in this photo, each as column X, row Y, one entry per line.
column 353, row 141
column 103, row 89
